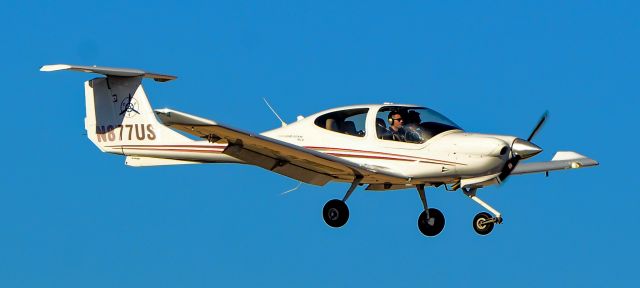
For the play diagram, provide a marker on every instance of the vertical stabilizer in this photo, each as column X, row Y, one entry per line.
column 119, row 115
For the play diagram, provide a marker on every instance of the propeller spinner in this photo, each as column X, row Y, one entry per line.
column 523, row 149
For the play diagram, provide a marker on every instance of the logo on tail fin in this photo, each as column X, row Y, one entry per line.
column 128, row 106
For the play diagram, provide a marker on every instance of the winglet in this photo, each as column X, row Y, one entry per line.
column 108, row 71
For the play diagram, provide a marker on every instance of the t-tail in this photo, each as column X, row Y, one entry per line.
column 120, row 120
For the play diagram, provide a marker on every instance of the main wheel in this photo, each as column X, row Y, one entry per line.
column 335, row 213
column 479, row 224
column 432, row 226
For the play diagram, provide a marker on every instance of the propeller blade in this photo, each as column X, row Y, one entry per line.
column 539, row 125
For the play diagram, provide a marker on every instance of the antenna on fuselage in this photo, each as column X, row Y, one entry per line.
column 274, row 112
column 291, row 190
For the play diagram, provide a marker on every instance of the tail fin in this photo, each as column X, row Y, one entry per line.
column 119, row 114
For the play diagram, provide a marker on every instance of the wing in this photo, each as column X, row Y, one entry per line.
column 296, row 162
column 562, row 160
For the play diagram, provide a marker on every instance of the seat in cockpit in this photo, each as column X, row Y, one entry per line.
column 381, row 129
column 331, row 124
column 349, row 128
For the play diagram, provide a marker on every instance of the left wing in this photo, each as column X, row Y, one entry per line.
column 562, row 160
column 297, row 162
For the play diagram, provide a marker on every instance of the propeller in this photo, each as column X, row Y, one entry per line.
column 539, row 125
column 523, row 149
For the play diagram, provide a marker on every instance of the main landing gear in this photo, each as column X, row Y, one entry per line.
column 431, row 221
column 336, row 212
column 483, row 222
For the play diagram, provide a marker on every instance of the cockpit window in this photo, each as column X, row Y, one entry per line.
column 350, row 122
column 411, row 124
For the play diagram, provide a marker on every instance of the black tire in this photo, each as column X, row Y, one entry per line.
column 482, row 229
column 335, row 213
column 434, row 227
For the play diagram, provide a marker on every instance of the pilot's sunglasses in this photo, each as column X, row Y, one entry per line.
column 398, row 119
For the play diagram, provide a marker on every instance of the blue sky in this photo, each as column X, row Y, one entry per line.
column 71, row 216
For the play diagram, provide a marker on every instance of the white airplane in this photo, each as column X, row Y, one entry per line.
column 355, row 144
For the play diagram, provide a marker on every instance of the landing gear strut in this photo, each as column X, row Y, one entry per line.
column 431, row 221
column 336, row 212
column 483, row 222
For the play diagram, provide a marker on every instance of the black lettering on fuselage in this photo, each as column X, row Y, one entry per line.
column 100, row 130
column 140, row 134
column 108, row 133
column 111, row 135
column 152, row 134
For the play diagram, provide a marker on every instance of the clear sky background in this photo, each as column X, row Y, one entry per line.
column 71, row 216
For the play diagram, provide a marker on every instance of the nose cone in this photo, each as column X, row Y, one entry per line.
column 524, row 148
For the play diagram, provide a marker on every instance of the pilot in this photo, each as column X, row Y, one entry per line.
column 395, row 126
column 413, row 117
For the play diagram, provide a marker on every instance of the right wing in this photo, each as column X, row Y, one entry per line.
column 562, row 160
column 296, row 162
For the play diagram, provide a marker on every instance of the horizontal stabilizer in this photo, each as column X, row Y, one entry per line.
column 109, row 71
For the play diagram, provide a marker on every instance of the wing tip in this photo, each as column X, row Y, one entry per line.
column 54, row 67
column 567, row 155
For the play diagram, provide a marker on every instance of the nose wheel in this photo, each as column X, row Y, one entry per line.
column 335, row 213
column 483, row 223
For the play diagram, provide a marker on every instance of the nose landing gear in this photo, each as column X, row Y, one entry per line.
column 483, row 222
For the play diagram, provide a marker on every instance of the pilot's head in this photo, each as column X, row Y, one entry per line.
column 413, row 117
column 395, row 120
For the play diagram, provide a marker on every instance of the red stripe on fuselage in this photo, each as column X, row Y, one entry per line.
column 436, row 161
column 369, row 157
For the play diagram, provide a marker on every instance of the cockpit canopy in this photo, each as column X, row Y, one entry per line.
column 419, row 124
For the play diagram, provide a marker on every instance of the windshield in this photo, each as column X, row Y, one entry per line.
column 411, row 124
